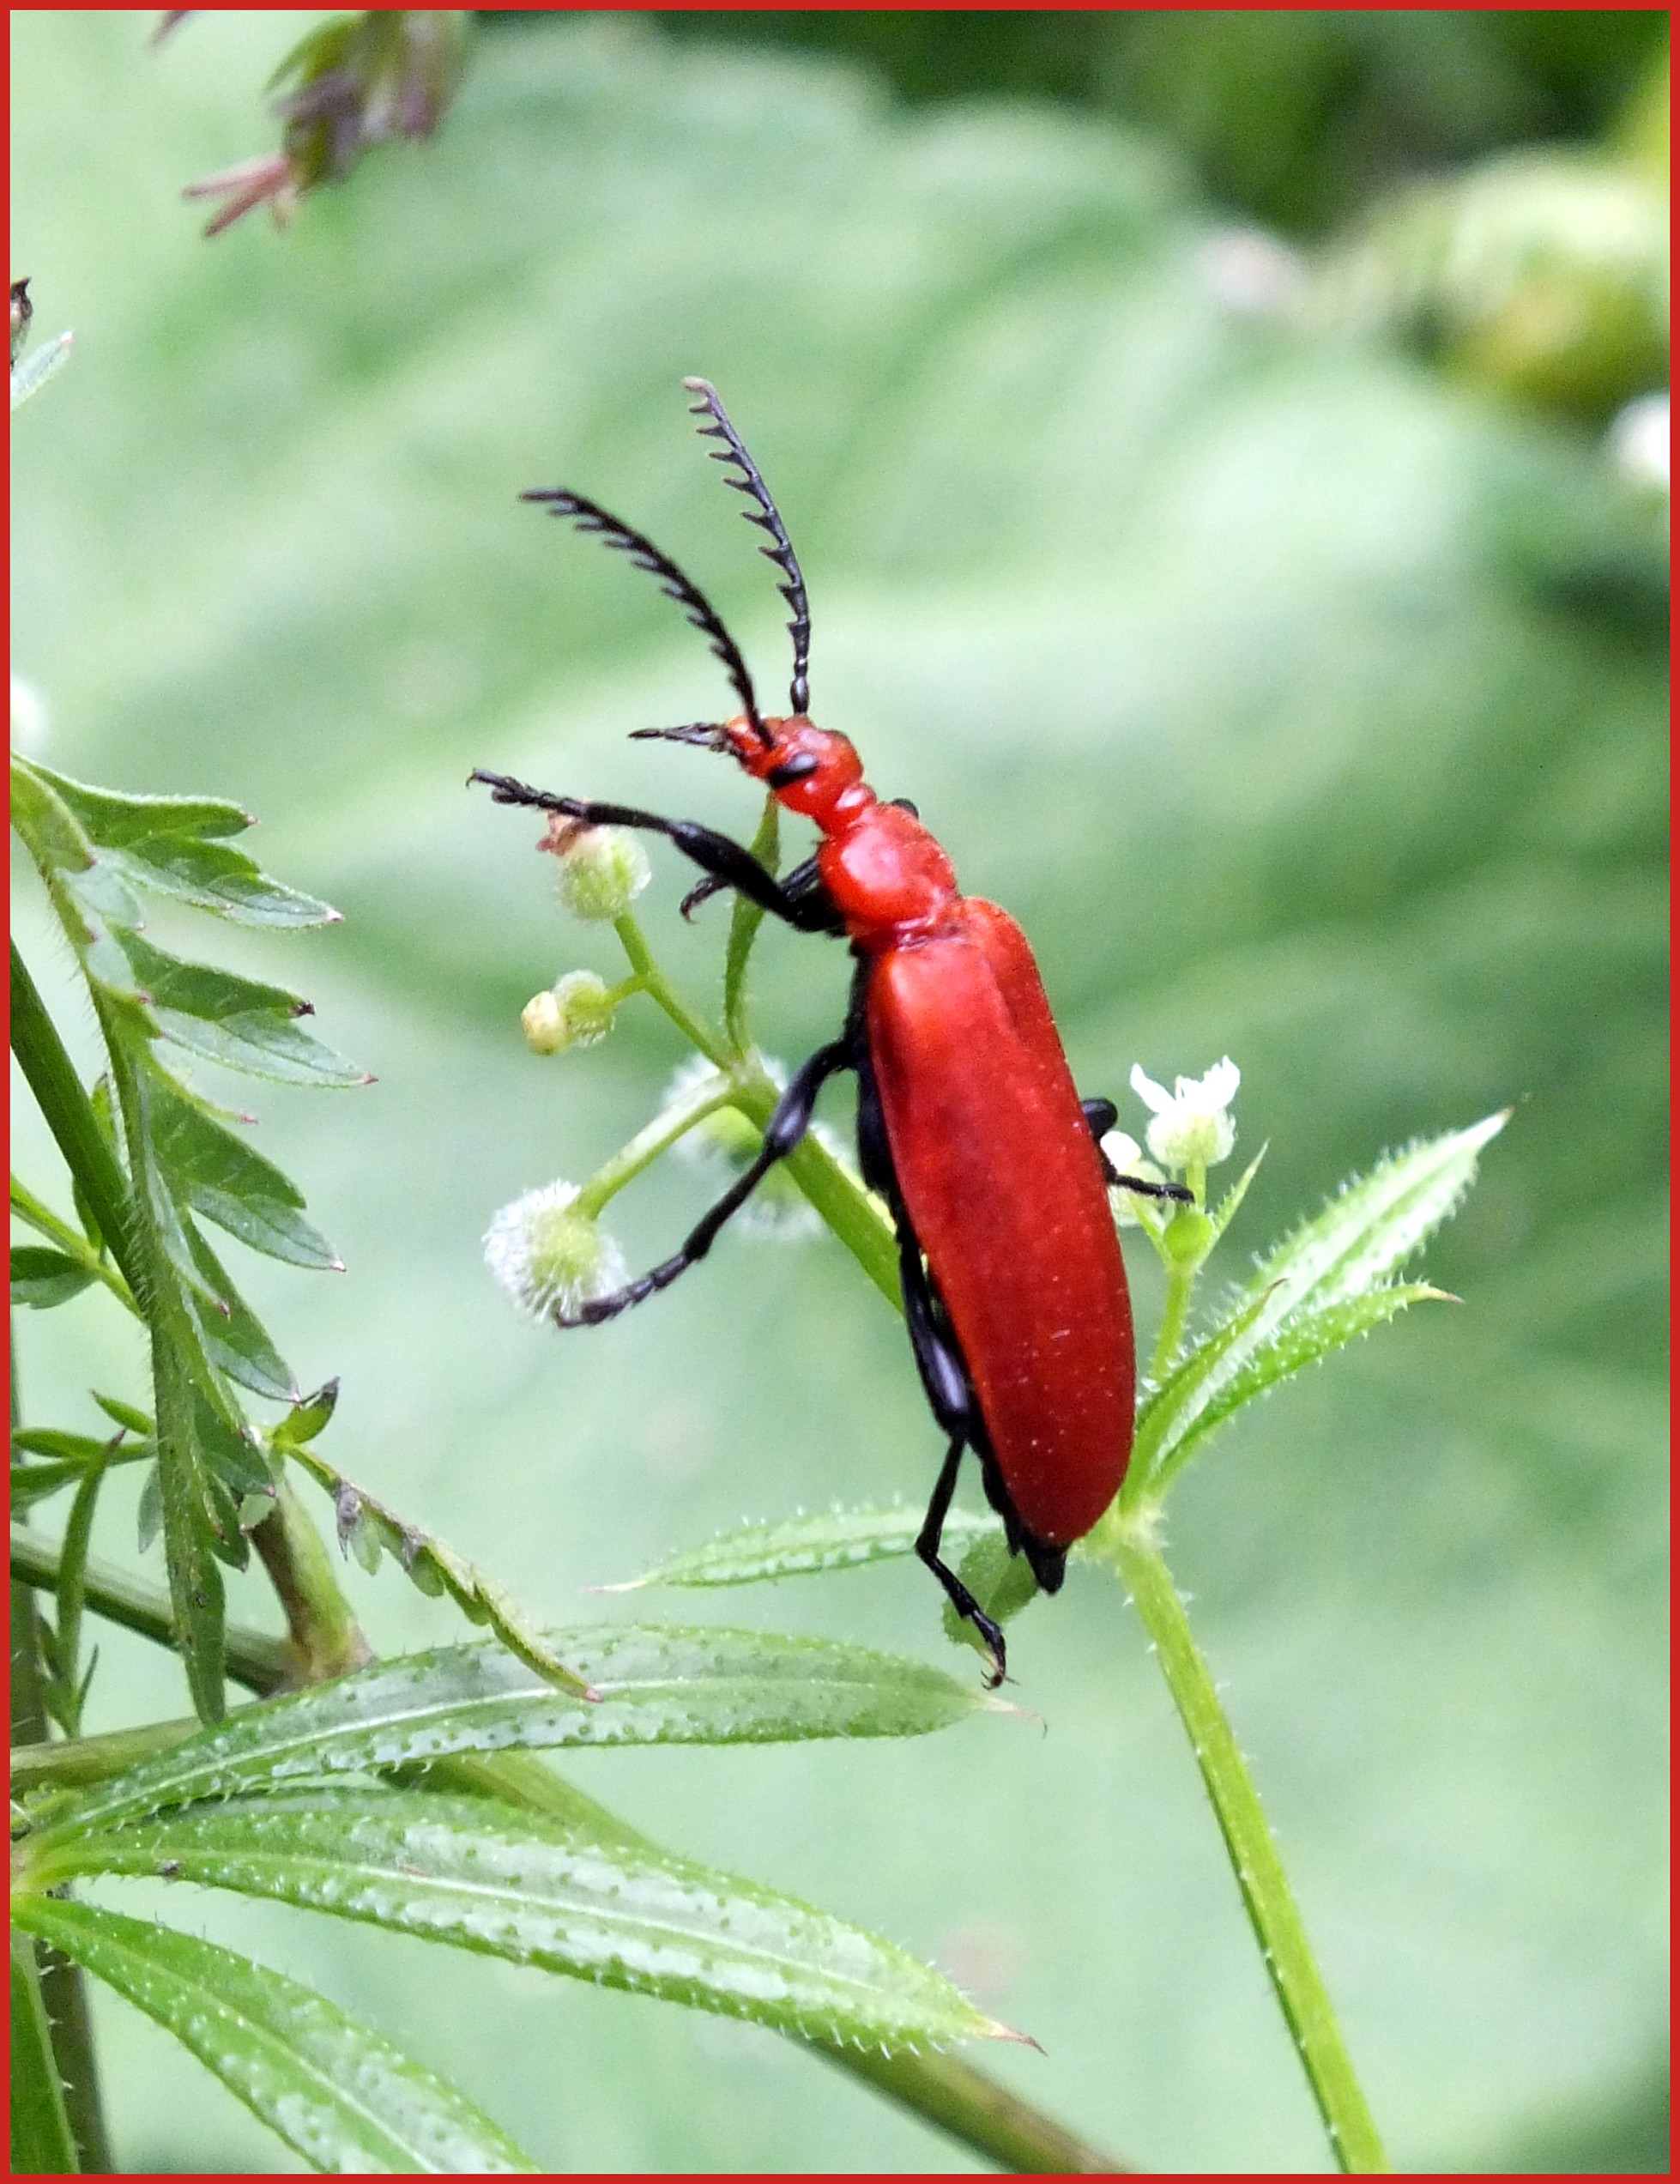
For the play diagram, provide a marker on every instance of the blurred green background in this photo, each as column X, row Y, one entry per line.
column 1301, row 695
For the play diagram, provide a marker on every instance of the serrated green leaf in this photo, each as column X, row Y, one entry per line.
column 1345, row 1253
column 343, row 2097
column 223, row 1179
column 48, row 828
column 1372, row 1226
column 43, row 1278
column 235, row 1021
column 655, row 1686
column 535, row 1891
column 1300, row 1342
column 1219, row 1217
column 799, row 1545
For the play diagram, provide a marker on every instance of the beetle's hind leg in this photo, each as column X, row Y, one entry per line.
column 1101, row 1116
column 786, row 1127
column 927, row 1547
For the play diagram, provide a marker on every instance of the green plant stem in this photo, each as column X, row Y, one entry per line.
column 60, row 1989
column 980, row 2113
column 261, row 1663
column 326, row 1640
column 659, row 1136
column 1260, row 1872
column 1180, row 1283
column 658, row 988
column 69, row 1112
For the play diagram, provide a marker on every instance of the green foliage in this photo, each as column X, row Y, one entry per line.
column 1298, row 707
column 345, row 2099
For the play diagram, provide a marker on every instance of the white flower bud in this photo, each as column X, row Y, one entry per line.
column 575, row 1011
column 1190, row 1126
column 602, row 869
column 546, row 1256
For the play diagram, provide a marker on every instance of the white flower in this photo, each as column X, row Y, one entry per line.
column 546, row 1256
column 1190, row 1126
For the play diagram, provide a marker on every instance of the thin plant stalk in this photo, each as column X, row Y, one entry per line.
column 1266, row 1894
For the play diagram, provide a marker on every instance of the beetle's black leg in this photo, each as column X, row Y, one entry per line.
column 927, row 1547
column 1101, row 1115
column 718, row 857
column 786, row 1127
column 803, row 887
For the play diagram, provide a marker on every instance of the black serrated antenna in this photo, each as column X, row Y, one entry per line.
column 590, row 517
column 768, row 519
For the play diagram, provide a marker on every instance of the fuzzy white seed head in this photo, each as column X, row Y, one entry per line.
column 576, row 1011
column 602, row 870
column 1190, row 1126
column 545, row 1256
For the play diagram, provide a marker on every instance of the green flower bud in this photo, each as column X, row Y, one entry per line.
column 1188, row 1238
column 602, row 869
column 575, row 1011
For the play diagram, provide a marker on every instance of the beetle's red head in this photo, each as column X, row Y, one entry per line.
column 811, row 770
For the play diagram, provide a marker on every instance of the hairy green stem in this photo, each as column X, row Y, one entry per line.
column 326, row 1640
column 980, row 2113
column 51, row 1076
column 1266, row 1894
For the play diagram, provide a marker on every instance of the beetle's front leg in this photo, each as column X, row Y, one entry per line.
column 1101, row 1116
column 718, row 857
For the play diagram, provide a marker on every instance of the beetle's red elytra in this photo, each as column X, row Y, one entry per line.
column 969, row 1124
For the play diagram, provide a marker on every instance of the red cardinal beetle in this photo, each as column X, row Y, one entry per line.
column 967, row 1123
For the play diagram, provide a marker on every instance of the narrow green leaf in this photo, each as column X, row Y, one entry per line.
column 655, row 1686
column 194, row 1583
column 799, row 1545
column 117, row 821
column 45, row 823
column 41, row 2144
column 235, row 1021
column 342, row 2098
column 1346, row 1253
column 1300, row 1342
column 1372, row 1226
column 535, row 1891
column 1219, row 1217
column 222, row 1178
column 310, row 1415
column 124, row 1414
column 42, row 1279
column 148, row 1516
column 31, row 373
column 366, row 1527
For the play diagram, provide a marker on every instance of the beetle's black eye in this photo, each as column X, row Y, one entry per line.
column 903, row 804
column 792, row 769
